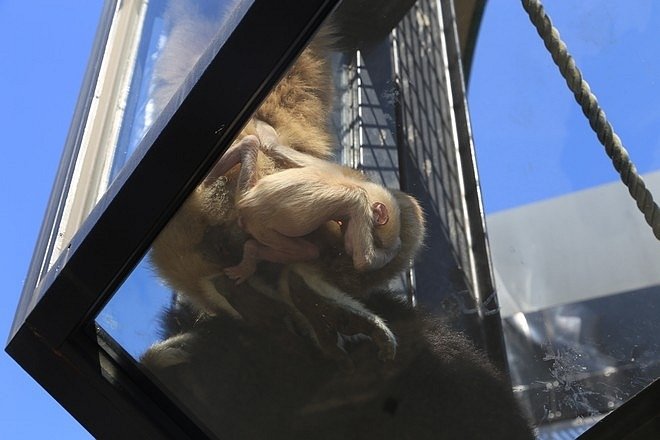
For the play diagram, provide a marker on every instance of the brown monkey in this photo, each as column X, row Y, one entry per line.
column 204, row 365
column 298, row 107
column 203, row 238
column 280, row 209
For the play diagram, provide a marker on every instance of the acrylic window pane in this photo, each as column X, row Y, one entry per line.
column 575, row 263
column 133, row 91
column 313, row 347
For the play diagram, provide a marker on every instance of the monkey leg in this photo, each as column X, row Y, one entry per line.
column 330, row 317
column 244, row 152
column 354, row 321
column 340, row 313
column 274, row 247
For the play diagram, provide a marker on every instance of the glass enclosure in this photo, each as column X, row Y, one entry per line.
column 317, row 347
column 138, row 78
column 575, row 264
column 336, row 273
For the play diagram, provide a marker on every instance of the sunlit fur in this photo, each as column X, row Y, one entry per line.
column 203, row 239
column 299, row 108
column 284, row 207
column 437, row 386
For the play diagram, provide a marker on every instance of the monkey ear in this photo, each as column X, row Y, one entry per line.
column 381, row 216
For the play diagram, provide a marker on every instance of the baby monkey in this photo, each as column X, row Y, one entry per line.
column 280, row 209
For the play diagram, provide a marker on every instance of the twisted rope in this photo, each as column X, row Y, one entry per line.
column 587, row 100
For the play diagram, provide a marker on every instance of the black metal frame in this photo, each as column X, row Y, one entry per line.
column 484, row 286
column 50, row 339
column 55, row 339
column 637, row 419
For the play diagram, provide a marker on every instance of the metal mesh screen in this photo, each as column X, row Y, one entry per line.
column 402, row 120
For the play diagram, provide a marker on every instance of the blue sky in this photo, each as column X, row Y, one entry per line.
column 532, row 141
column 44, row 46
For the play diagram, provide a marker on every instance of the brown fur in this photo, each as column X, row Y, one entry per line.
column 299, row 108
column 203, row 239
column 280, row 209
column 260, row 356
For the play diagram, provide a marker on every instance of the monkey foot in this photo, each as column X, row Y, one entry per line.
column 239, row 273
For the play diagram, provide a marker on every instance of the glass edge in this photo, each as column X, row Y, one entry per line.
column 63, row 275
column 46, row 237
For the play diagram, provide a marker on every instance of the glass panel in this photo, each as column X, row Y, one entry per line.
column 319, row 341
column 575, row 263
column 140, row 73
column 160, row 70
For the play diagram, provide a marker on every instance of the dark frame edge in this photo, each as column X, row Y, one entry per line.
column 75, row 381
column 55, row 204
column 51, row 341
column 471, row 40
column 493, row 335
column 78, row 288
column 631, row 421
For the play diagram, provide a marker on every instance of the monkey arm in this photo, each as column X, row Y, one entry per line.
column 359, row 239
column 294, row 158
column 245, row 152
column 266, row 133
column 271, row 145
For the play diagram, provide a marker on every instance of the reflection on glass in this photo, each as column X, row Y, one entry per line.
column 140, row 73
column 309, row 346
column 580, row 302
column 574, row 261
column 161, row 68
